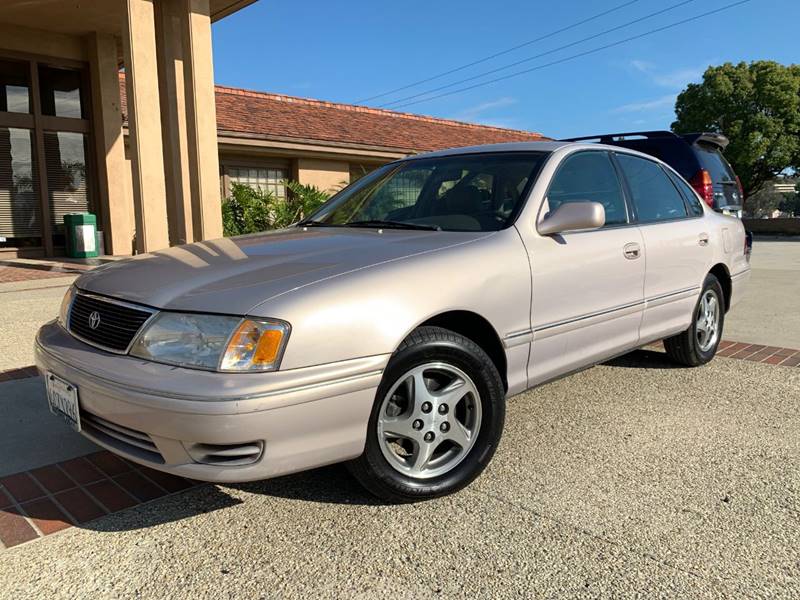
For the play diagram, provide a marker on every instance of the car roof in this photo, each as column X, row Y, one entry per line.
column 489, row 148
column 526, row 147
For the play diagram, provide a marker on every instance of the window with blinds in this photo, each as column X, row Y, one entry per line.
column 19, row 197
column 264, row 179
column 65, row 163
column 45, row 171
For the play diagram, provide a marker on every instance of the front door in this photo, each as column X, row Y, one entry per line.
column 587, row 285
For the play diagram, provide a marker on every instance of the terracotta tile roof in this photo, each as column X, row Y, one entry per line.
column 252, row 113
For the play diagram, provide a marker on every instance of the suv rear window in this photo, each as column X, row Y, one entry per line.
column 711, row 160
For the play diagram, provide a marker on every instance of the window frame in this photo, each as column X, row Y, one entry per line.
column 626, row 199
column 665, row 170
column 269, row 163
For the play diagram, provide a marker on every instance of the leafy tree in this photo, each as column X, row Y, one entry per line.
column 757, row 106
column 762, row 203
column 791, row 204
column 250, row 210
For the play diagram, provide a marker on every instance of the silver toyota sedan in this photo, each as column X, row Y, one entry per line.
column 389, row 328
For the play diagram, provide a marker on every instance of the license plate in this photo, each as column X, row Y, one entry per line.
column 62, row 397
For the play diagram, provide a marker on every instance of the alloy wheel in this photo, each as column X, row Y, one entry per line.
column 429, row 420
column 707, row 321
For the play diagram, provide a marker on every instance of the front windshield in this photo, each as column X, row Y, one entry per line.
column 478, row 192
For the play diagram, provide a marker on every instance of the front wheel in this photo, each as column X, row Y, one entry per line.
column 698, row 344
column 437, row 419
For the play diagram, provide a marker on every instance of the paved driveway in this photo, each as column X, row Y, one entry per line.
column 769, row 313
column 630, row 478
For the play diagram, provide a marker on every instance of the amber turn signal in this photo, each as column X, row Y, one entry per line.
column 256, row 345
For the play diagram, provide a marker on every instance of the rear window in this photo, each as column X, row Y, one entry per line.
column 654, row 195
column 711, row 160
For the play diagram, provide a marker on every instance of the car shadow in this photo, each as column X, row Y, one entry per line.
column 199, row 500
column 330, row 485
column 643, row 359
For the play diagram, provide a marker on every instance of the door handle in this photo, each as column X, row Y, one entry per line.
column 632, row 251
column 703, row 239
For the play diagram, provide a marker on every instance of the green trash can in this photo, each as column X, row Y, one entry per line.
column 81, row 233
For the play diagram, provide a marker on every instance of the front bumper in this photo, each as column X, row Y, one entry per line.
column 304, row 418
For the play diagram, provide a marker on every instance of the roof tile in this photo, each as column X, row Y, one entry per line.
column 248, row 112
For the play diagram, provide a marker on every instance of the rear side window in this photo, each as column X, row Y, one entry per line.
column 654, row 196
column 711, row 160
column 589, row 176
column 695, row 208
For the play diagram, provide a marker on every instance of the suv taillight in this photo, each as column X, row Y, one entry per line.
column 741, row 189
column 702, row 184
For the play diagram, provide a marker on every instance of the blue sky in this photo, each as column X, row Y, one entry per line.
column 347, row 51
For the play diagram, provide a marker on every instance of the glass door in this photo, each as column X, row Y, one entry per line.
column 20, row 210
column 45, row 152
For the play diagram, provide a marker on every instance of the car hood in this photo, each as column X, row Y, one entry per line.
column 233, row 275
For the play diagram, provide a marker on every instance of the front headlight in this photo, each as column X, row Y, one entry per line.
column 213, row 342
column 63, row 312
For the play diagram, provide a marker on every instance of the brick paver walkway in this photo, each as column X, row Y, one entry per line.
column 14, row 270
column 48, row 499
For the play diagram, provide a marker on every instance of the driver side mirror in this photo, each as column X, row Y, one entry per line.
column 572, row 216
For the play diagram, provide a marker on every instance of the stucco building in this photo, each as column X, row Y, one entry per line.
column 110, row 107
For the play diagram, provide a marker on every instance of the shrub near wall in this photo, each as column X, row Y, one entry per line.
column 249, row 210
column 787, row 226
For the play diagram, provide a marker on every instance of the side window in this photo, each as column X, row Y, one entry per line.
column 589, row 176
column 654, row 196
column 695, row 208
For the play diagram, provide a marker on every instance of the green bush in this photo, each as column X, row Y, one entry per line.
column 250, row 210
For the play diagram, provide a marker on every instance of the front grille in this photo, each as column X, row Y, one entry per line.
column 115, row 324
column 124, row 439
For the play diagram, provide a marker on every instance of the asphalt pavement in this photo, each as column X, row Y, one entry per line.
column 26, row 306
column 634, row 478
column 769, row 313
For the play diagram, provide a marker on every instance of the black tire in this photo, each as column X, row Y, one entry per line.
column 684, row 348
column 422, row 346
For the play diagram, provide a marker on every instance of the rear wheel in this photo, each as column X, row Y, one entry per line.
column 698, row 344
column 437, row 419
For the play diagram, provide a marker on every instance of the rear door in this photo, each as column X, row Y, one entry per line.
column 727, row 195
column 677, row 247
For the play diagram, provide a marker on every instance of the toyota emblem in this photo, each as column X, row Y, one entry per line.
column 94, row 319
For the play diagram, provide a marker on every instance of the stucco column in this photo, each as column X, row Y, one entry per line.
column 144, row 118
column 116, row 206
column 201, row 119
column 170, row 15
column 188, row 114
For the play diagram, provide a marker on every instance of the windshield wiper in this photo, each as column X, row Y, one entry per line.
column 392, row 225
column 311, row 223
